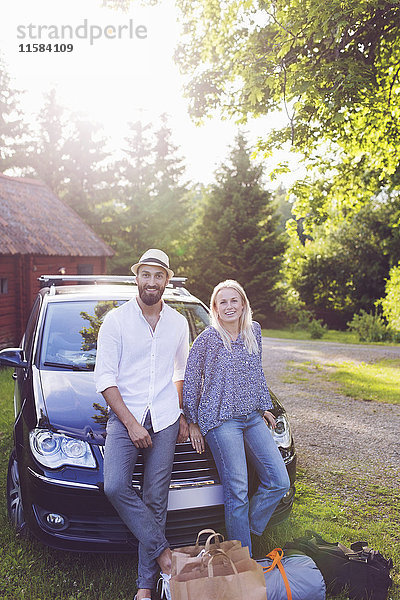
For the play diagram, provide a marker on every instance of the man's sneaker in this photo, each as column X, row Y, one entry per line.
column 164, row 581
column 135, row 598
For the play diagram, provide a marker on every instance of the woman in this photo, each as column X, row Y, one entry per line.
column 225, row 397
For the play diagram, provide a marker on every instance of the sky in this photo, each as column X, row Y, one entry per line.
column 120, row 69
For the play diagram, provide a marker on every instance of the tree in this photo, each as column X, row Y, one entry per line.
column 391, row 301
column 237, row 237
column 172, row 198
column 333, row 67
column 283, row 207
column 68, row 153
column 325, row 60
column 88, row 172
column 12, row 126
column 151, row 205
column 342, row 269
column 46, row 157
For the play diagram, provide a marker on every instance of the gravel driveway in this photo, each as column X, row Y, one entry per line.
column 338, row 439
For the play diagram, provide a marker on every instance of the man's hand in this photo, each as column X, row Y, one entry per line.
column 183, row 433
column 139, row 435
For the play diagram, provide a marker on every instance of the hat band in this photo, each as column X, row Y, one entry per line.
column 154, row 260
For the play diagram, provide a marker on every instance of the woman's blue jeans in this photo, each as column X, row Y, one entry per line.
column 145, row 516
column 228, row 442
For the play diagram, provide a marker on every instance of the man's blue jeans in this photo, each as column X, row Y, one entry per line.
column 228, row 442
column 144, row 517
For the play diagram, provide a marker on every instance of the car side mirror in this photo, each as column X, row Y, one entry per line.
column 13, row 357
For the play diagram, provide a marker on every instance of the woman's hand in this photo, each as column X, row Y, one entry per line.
column 269, row 417
column 196, row 438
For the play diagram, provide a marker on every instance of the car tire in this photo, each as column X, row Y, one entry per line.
column 14, row 497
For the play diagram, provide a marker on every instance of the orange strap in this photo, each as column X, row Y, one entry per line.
column 276, row 557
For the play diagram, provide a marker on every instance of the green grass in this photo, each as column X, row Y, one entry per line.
column 371, row 515
column 330, row 335
column 379, row 381
column 31, row 571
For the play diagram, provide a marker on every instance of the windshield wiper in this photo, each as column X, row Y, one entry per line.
column 68, row 366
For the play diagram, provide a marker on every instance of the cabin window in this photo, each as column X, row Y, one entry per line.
column 3, row 285
column 85, row 269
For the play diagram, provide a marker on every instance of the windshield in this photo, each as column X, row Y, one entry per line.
column 70, row 332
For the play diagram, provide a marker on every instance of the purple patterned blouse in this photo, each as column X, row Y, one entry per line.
column 220, row 384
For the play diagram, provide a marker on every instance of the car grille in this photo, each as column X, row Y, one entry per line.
column 189, row 468
column 182, row 527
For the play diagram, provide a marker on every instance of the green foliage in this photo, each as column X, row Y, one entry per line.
column 150, row 207
column 12, row 126
column 317, row 329
column 90, row 334
column 369, row 327
column 333, row 66
column 66, row 151
column 341, row 269
column 305, row 321
column 136, row 203
column 236, row 236
column 283, row 207
column 391, row 302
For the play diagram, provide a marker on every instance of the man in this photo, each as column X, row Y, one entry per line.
column 142, row 348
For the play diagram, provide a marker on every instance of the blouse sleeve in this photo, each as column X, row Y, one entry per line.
column 257, row 331
column 193, row 382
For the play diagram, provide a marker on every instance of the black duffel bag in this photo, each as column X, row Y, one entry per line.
column 364, row 574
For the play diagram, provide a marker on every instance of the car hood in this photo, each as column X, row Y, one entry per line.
column 72, row 404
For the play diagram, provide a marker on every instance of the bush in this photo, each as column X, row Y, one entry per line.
column 303, row 319
column 391, row 302
column 316, row 329
column 370, row 327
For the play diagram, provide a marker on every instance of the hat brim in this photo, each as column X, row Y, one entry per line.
column 135, row 267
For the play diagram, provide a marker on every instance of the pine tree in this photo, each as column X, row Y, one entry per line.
column 67, row 153
column 172, row 213
column 12, row 127
column 237, row 236
column 153, row 204
column 47, row 156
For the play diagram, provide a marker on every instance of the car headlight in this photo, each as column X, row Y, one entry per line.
column 54, row 450
column 282, row 434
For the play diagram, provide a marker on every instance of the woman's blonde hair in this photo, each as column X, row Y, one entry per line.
column 245, row 321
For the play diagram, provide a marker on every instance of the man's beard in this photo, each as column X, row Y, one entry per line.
column 153, row 298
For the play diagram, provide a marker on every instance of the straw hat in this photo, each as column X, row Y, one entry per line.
column 154, row 257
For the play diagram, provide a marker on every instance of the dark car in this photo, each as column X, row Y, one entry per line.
column 55, row 474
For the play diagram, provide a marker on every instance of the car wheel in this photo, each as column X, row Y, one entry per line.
column 14, row 498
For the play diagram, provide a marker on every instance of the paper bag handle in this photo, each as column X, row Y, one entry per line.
column 201, row 533
column 219, row 553
column 211, row 537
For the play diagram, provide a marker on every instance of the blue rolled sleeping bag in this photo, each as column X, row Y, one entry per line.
column 305, row 579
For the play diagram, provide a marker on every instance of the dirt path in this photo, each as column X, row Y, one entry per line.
column 338, row 439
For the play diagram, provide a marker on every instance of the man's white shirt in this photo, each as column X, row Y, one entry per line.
column 143, row 363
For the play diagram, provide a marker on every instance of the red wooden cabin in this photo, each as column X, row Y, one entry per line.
column 39, row 234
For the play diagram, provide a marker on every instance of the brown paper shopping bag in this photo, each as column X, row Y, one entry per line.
column 217, row 577
column 181, row 556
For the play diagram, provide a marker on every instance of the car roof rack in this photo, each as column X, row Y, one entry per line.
column 52, row 280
